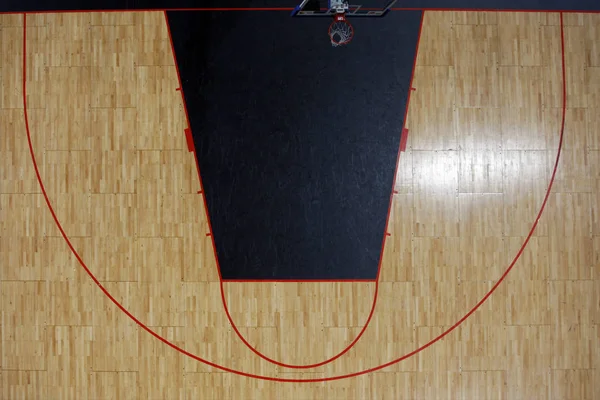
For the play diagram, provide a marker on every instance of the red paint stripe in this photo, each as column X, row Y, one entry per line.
column 403, row 140
column 298, row 280
column 269, row 378
column 497, row 10
column 188, row 135
column 189, row 139
column 545, row 11
column 153, row 10
column 187, row 117
column 412, row 77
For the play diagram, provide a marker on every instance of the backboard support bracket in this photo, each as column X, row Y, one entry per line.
column 312, row 8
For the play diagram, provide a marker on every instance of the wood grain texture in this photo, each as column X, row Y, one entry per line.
column 107, row 128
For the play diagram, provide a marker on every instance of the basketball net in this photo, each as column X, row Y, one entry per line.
column 340, row 30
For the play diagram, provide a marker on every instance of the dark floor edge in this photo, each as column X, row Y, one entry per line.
column 287, row 9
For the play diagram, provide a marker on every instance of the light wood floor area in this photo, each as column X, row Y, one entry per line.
column 107, row 130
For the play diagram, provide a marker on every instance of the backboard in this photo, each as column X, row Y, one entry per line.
column 341, row 31
column 324, row 8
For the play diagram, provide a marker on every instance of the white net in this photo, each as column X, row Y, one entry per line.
column 340, row 32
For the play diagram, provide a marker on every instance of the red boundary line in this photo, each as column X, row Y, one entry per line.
column 269, row 378
column 189, row 140
column 496, row 10
column 187, row 131
column 297, row 280
column 292, row 8
column 404, row 139
column 222, row 281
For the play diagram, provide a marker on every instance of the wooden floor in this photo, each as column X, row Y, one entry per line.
column 107, row 131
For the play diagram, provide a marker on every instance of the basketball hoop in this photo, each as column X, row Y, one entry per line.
column 340, row 30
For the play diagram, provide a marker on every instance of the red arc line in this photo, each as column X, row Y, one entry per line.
column 221, row 280
column 270, row 378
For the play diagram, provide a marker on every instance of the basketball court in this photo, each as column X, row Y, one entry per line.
column 113, row 245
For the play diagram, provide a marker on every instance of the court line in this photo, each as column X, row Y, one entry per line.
column 192, row 149
column 270, row 378
column 497, row 10
column 384, row 240
column 292, row 8
column 298, row 280
column 385, row 232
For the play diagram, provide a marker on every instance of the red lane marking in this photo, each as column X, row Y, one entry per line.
column 153, row 10
column 190, row 140
column 187, row 118
column 423, row 9
column 376, row 291
column 223, row 299
column 269, row 378
column 403, row 140
column 299, row 281
column 500, row 11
